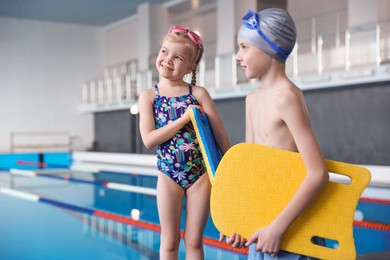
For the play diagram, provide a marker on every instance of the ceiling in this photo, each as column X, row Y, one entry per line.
column 86, row 12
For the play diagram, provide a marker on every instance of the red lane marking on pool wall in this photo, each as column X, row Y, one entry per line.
column 127, row 220
column 41, row 164
column 225, row 246
column 211, row 241
column 372, row 225
column 157, row 228
column 373, row 200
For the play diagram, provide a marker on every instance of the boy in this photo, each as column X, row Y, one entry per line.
column 276, row 116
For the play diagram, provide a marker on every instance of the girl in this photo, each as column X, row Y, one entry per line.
column 165, row 123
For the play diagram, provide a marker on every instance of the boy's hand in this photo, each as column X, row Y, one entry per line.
column 267, row 241
column 235, row 240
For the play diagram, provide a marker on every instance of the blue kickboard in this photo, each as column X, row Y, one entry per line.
column 207, row 142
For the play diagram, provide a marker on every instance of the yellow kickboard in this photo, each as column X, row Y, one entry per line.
column 253, row 183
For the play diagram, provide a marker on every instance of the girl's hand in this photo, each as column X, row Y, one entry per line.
column 221, row 237
column 235, row 240
column 267, row 240
column 186, row 115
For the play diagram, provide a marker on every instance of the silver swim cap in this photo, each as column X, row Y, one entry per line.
column 270, row 30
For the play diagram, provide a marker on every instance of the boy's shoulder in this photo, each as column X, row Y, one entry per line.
column 278, row 88
column 282, row 93
column 285, row 86
column 288, row 96
column 288, row 87
column 254, row 93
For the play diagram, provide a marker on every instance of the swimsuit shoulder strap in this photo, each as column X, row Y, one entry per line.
column 156, row 90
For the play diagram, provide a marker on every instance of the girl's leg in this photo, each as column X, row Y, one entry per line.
column 197, row 210
column 169, row 203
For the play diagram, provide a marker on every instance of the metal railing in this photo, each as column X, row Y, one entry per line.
column 342, row 50
column 41, row 141
column 119, row 84
column 327, row 47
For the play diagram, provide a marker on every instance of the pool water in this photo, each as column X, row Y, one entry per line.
column 35, row 230
column 68, row 221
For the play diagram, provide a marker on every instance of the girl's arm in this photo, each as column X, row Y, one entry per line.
column 149, row 134
column 292, row 109
column 216, row 123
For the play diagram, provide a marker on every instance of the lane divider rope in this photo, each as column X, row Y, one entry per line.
column 108, row 185
column 111, row 216
column 147, row 191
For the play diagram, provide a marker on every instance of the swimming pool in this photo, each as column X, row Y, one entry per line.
column 48, row 218
column 85, row 212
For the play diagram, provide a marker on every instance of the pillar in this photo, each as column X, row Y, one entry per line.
column 229, row 14
column 152, row 25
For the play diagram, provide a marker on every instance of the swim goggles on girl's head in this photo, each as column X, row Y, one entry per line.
column 251, row 21
column 193, row 36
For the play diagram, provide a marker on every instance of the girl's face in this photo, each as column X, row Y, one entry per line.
column 174, row 60
column 253, row 61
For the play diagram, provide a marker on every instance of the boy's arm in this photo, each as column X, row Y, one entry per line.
column 292, row 110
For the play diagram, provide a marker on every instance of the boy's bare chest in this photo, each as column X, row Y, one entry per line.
column 265, row 117
column 268, row 126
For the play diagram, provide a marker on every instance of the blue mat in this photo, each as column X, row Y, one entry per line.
column 209, row 148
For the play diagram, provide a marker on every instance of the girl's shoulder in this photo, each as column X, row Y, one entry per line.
column 150, row 92
column 199, row 90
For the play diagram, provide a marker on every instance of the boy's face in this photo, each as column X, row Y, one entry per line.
column 253, row 61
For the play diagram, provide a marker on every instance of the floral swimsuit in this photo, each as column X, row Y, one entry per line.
column 179, row 158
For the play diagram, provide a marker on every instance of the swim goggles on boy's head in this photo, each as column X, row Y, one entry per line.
column 251, row 21
column 193, row 36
